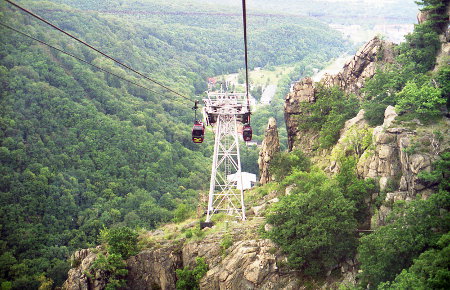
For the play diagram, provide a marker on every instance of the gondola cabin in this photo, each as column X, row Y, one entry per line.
column 198, row 132
column 247, row 132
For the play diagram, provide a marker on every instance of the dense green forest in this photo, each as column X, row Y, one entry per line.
column 316, row 224
column 82, row 150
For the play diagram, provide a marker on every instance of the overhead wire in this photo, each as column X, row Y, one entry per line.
column 97, row 50
column 76, row 57
column 244, row 20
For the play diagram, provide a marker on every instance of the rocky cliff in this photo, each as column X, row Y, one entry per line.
column 270, row 146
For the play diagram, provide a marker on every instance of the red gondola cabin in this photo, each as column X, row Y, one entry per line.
column 198, row 132
column 247, row 132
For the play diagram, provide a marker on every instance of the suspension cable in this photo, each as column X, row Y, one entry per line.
column 77, row 58
column 244, row 19
column 97, row 50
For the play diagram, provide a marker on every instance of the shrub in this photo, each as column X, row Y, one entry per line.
column 190, row 279
column 114, row 269
column 182, row 212
column 328, row 114
column 429, row 271
column 225, row 243
column 121, row 241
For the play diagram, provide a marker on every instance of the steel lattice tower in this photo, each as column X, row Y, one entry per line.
column 225, row 112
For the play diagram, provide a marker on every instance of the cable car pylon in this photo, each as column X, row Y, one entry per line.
column 226, row 112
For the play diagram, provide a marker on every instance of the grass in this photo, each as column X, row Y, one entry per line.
column 261, row 77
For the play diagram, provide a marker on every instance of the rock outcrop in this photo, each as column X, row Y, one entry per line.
column 394, row 161
column 303, row 92
column 78, row 277
column 247, row 264
column 362, row 66
column 154, row 269
column 150, row 269
column 270, row 146
column 250, row 264
column 351, row 79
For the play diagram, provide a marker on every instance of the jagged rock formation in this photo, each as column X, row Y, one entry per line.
column 351, row 79
column 362, row 66
column 303, row 92
column 270, row 146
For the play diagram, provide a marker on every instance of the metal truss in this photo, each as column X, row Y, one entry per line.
column 224, row 193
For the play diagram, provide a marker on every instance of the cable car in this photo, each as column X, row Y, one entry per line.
column 198, row 132
column 247, row 132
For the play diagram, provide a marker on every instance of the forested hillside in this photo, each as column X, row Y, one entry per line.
column 82, row 150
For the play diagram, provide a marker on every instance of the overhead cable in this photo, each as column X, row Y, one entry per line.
column 76, row 57
column 97, row 50
column 244, row 19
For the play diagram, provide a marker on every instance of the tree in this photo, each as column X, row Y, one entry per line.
column 425, row 101
column 315, row 224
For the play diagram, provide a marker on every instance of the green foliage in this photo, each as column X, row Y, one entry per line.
column 355, row 189
column 189, row 279
column 415, row 227
column 315, row 224
column 225, row 243
column 440, row 176
column 113, row 268
column 429, row 271
column 425, row 101
column 443, row 79
column 436, row 13
column 121, row 241
column 328, row 114
column 285, row 163
column 418, row 53
column 182, row 212
column 404, row 83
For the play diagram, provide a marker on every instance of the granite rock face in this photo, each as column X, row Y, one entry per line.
column 303, row 91
column 270, row 146
column 350, row 79
column 248, row 265
column 362, row 66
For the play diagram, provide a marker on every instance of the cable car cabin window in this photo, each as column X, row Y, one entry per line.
column 197, row 132
column 247, row 133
